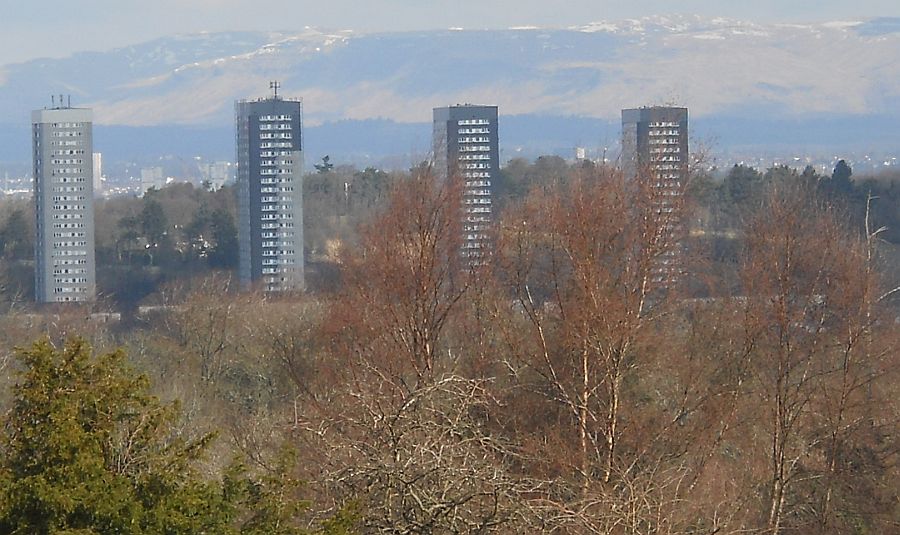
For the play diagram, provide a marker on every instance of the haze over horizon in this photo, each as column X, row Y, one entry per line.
column 798, row 76
column 99, row 25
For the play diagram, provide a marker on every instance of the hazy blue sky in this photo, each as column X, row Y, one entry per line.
column 35, row 28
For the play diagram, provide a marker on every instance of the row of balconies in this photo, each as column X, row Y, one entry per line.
column 69, row 289
column 69, row 252
column 70, row 280
column 67, row 189
column 69, row 271
column 69, row 234
column 277, row 260
column 276, row 243
column 67, row 244
column 275, row 145
column 278, row 135
column 478, row 192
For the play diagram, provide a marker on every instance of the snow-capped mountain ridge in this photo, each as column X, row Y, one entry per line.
column 712, row 65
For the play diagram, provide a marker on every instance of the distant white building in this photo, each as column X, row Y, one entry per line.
column 98, row 173
column 152, row 177
column 217, row 174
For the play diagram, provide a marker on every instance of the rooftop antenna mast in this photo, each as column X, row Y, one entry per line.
column 275, row 85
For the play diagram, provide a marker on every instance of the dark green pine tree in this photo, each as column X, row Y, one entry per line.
column 153, row 221
column 87, row 450
column 224, row 254
column 840, row 179
column 16, row 237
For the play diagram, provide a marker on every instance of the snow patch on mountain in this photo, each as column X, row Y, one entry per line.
column 842, row 24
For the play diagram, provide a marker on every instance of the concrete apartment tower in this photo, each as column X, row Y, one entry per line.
column 65, row 269
column 655, row 145
column 655, row 141
column 270, row 192
column 466, row 148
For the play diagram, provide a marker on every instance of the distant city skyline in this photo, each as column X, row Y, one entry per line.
column 25, row 30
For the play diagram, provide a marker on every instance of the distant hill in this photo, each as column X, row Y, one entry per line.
column 370, row 96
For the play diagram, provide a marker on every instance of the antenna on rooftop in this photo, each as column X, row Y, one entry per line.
column 69, row 105
column 274, row 86
column 53, row 100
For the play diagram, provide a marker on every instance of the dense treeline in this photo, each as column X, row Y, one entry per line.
column 184, row 231
column 562, row 388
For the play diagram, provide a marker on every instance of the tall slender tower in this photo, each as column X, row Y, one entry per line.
column 466, row 148
column 270, row 192
column 65, row 268
column 655, row 145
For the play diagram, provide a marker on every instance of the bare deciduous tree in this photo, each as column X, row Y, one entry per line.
column 586, row 268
